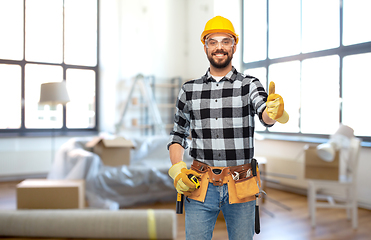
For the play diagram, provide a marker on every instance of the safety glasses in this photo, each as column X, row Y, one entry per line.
column 215, row 41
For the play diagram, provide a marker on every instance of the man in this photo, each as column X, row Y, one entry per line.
column 218, row 109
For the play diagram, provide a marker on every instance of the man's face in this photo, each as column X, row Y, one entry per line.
column 220, row 54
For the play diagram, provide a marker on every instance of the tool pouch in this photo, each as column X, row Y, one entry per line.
column 245, row 188
column 200, row 193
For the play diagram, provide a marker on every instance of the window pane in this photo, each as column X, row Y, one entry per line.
column 261, row 74
column 81, row 109
column 320, row 25
column 286, row 77
column 255, row 32
column 320, row 95
column 11, row 29
column 80, row 32
column 41, row 116
column 44, row 30
column 357, row 19
column 284, row 28
column 356, row 83
column 10, row 96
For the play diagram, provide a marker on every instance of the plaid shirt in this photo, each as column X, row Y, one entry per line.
column 220, row 117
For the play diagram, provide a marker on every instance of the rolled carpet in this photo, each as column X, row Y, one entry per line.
column 88, row 223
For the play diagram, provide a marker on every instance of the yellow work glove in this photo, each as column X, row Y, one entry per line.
column 179, row 173
column 275, row 106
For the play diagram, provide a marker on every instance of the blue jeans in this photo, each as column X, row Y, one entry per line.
column 200, row 217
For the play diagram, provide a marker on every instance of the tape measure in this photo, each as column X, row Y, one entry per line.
column 194, row 180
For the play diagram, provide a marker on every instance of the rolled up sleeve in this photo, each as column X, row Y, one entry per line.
column 181, row 127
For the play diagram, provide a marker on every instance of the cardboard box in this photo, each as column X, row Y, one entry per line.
column 316, row 168
column 50, row 194
column 113, row 152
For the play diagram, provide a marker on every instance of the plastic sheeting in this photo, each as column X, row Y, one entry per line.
column 145, row 180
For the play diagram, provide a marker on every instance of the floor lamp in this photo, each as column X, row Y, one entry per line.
column 54, row 93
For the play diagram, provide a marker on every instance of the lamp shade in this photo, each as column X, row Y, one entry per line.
column 340, row 139
column 326, row 151
column 54, row 93
column 345, row 131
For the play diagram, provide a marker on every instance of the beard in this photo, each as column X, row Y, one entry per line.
column 220, row 63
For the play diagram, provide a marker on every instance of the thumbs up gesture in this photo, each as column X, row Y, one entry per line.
column 275, row 106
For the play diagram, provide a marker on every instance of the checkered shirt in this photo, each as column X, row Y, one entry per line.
column 220, row 117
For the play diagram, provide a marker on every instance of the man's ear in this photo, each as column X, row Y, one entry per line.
column 205, row 49
column 234, row 48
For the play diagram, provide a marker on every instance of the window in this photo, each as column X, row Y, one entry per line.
column 318, row 53
column 48, row 41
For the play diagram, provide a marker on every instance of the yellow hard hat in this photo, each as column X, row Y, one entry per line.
column 218, row 24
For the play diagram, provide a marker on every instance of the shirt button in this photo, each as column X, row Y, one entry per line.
column 216, row 118
column 217, row 85
column 216, row 100
column 217, row 136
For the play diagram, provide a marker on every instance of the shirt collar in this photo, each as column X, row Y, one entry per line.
column 231, row 76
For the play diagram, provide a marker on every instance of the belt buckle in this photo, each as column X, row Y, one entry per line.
column 217, row 181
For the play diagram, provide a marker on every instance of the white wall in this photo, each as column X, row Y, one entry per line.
column 138, row 37
column 27, row 156
column 151, row 37
column 198, row 13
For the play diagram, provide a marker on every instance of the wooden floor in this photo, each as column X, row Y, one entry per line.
column 277, row 222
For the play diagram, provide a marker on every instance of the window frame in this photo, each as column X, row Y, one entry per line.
column 23, row 131
column 341, row 51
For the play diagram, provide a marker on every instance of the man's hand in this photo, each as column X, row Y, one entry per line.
column 182, row 183
column 275, row 106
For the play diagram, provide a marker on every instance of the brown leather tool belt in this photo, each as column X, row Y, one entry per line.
column 218, row 175
column 242, row 185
